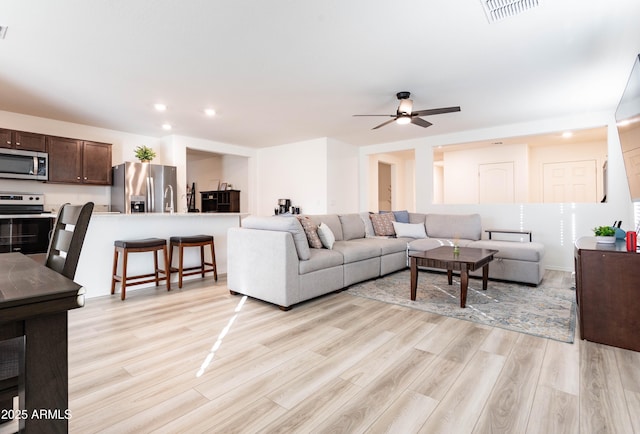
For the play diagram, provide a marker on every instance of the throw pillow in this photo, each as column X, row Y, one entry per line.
column 411, row 230
column 326, row 236
column 401, row 216
column 382, row 225
column 368, row 227
column 311, row 229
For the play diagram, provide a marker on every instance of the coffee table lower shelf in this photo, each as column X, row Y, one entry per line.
column 444, row 257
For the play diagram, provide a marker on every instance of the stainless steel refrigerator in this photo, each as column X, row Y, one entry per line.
column 143, row 187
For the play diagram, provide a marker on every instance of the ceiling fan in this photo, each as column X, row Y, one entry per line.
column 405, row 114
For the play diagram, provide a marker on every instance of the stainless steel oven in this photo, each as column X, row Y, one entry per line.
column 25, row 234
column 23, row 226
column 20, row 164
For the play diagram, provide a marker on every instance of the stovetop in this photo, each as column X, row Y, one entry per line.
column 21, row 203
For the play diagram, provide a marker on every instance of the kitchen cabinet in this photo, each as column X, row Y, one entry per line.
column 73, row 161
column 607, row 282
column 220, row 201
column 22, row 140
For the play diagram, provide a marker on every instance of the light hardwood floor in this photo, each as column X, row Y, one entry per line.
column 199, row 360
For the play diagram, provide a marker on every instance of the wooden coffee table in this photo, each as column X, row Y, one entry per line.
column 468, row 259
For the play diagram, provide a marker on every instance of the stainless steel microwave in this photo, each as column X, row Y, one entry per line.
column 18, row 164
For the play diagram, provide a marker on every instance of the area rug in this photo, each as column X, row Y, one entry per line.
column 544, row 311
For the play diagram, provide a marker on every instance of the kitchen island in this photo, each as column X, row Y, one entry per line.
column 96, row 260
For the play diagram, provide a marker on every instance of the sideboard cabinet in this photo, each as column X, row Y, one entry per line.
column 220, row 201
column 608, row 293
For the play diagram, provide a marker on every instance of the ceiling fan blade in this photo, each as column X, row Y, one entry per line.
column 393, row 116
column 384, row 123
column 420, row 122
column 437, row 111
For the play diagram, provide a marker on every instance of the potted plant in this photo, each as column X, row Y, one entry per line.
column 144, row 154
column 605, row 234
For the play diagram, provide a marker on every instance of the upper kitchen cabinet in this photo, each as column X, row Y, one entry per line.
column 22, row 140
column 74, row 161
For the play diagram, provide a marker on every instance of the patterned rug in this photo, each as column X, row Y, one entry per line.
column 544, row 311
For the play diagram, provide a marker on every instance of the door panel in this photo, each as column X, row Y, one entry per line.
column 571, row 181
column 496, row 182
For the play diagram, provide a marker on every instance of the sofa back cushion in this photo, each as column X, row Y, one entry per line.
column 352, row 227
column 331, row 220
column 454, row 226
column 283, row 224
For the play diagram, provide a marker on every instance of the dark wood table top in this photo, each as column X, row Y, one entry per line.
column 28, row 288
column 467, row 255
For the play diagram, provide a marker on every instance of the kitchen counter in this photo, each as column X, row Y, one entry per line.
column 27, row 216
column 96, row 260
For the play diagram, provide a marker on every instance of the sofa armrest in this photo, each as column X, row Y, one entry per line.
column 263, row 264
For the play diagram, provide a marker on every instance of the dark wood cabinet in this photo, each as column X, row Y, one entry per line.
column 608, row 293
column 22, row 140
column 73, row 161
column 220, row 201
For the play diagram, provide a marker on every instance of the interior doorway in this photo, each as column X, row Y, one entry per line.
column 384, row 186
column 571, row 181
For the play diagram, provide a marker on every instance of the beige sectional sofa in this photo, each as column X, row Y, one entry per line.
column 269, row 258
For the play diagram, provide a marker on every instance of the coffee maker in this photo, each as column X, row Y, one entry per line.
column 283, row 206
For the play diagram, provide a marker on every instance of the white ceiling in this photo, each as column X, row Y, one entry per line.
column 282, row 71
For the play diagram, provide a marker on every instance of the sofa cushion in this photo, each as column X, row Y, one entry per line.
column 389, row 245
column 410, row 230
column 283, row 224
column 326, row 236
column 311, row 230
column 320, row 259
column 357, row 250
column 416, row 217
column 530, row 252
column 331, row 220
column 382, row 225
column 368, row 226
column 352, row 226
column 454, row 226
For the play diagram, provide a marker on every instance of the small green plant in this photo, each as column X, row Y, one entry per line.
column 144, row 153
column 604, row 231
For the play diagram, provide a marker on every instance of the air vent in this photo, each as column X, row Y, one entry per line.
column 497, row 10
column 3, row 31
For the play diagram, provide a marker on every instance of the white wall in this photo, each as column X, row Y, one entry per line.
column 402, row 182
column 342, row 177
column 296, row 171
column 555, row 225
column 461, row 171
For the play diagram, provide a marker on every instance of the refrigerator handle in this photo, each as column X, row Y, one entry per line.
column 150, row 194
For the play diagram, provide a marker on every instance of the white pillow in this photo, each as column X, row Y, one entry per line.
column 410, row 230
column 326, row 236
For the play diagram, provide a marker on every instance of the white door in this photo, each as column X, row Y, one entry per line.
column 571, row 181
column 632, row 165
column 496, row 182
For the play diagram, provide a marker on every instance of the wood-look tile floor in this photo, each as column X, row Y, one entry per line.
column 199, row 360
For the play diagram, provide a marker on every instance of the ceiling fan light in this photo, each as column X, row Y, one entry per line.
column 403, row 120
column 406, row 105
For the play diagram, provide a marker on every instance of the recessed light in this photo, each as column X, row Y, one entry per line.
column 166, row 127
column 567, row 134
column 209, row 112
column 160, row 107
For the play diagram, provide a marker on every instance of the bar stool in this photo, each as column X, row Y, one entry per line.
column 193, row 241
column 137, row 246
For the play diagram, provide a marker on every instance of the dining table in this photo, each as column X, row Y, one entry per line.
column 34, row 305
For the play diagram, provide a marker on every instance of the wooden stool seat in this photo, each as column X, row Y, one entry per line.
column 193, row 241
column 137, row 246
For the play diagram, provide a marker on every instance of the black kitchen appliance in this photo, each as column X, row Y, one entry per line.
column 20, row 229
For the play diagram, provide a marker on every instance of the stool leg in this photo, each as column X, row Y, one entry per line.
column 180, row 264
column 202, row 261
column 171, row 246
column 167, row 268
column 155, row 266
column 213, row 261
column 115, row 270
column 123, row 289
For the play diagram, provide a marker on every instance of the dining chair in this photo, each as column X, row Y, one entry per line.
column 63, row 254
